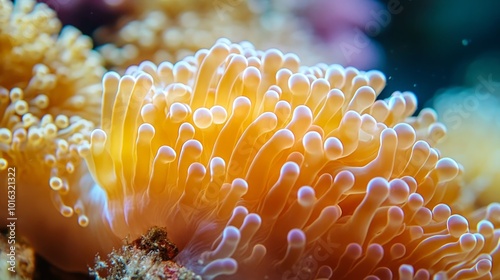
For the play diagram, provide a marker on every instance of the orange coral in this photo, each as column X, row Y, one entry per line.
column 58, row 73
column 260, row 167
column 50, row 96
column 49, row 87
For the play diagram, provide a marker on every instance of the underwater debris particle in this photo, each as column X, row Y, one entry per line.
column 156, row 240
column 150, row 257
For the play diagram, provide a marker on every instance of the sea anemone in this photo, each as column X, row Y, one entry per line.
column 170, row 30
column 50, row 95
column 469, row 114
column 58, row 73
column 259, row 167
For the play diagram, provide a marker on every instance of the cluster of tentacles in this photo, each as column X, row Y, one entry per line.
column 260, row 167
column 256, row 165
